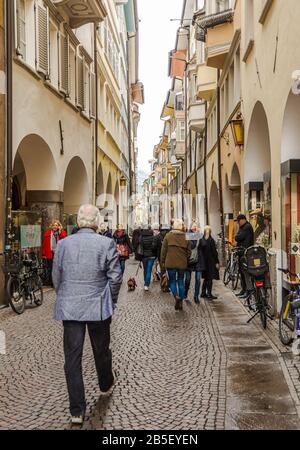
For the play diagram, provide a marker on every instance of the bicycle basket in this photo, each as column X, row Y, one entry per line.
column 256, row 260
column 12, row 268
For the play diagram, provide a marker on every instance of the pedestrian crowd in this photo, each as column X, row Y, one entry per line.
column 87, row 273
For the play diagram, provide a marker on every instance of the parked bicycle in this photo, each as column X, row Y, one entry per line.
column 24, row 283
column 256, row 264
column 231, row 272
column 289, row 316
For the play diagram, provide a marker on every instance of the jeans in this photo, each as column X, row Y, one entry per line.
column 74, row 334
column 176, row 277
column 122, row 264
column 188, row 276
column 148, row 266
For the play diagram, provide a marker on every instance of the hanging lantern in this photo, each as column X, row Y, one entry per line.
column 123, row 182
column 238, row 131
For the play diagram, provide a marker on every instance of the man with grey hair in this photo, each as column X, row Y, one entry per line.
column 87, row 278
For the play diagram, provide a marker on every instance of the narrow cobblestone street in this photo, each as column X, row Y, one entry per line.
column 204, row 368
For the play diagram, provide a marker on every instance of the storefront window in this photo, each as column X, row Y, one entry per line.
column 290, row 172
column 26, row 232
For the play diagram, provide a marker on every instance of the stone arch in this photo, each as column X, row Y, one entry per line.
column 34, row 165
column 214, row 209
column 76, row 190
column 257, row 159
column 291, row 129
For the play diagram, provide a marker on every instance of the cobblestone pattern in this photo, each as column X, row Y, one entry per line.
column 171, row 368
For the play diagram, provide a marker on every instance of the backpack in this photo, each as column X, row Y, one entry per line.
column 193, row 259
column 140, row 248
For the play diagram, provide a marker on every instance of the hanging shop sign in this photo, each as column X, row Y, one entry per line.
column 30, row 236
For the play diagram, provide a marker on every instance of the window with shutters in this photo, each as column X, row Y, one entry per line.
column 80, row 82
column 42, row 39
column 64, row 64
column 92, row 96
column 72, row 74
column 86, row 80
column 20, row 28
column 54, row 55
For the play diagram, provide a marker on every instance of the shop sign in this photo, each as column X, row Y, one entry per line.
column 30, row 236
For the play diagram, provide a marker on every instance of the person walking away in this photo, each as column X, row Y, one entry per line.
column 149, row 250
column 123, row 245
column 87, row 278
column 50, row 241
column 196, row 263
column 157, row 242
column 175, row 252
column 212, row 264
column 135, row 242
column 104, row 231
column 244, row 239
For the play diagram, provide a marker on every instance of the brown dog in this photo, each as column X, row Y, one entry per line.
column 131, row 283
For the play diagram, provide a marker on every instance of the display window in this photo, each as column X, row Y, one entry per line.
column 290, row 179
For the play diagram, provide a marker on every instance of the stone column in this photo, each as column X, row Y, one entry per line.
column 48, row 203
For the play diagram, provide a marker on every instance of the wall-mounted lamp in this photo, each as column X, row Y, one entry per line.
column 123, row 182
column 237, row 127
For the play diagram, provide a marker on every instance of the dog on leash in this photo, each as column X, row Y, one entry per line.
column 131, row 283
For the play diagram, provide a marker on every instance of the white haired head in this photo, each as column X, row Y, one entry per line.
column 88, row 217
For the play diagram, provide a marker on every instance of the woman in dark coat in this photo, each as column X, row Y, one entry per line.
column 198, row 267
column 212, row 264
column 123, row 245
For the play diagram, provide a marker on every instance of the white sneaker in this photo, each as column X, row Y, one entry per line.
column 77, row 420
column 146, row 288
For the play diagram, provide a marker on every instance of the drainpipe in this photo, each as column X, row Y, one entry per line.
column 220, row 167
column 205, row 167
column 9, row 5
column 95, row 162
column 129, row 117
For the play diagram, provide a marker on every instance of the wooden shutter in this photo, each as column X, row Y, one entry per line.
column 42, row 39
column 80, row 82
column 93, row 96
column 64, row 82
column 20, row 28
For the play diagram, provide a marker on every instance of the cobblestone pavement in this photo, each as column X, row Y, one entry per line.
column 202, row 368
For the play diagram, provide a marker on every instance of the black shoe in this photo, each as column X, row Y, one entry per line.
column 196, row 300
column 240, row 294
column 211, row 297
column 109, row 389
column 203, row 295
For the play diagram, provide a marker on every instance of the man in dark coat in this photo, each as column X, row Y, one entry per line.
column 149, row 249
column 244, row 239
column 135, row 242
column 212, row 264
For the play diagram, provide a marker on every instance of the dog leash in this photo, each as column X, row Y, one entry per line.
column 140, row 265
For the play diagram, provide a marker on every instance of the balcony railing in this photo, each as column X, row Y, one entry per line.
column 196, row 116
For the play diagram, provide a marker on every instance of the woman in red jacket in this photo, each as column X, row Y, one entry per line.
column 51, row 237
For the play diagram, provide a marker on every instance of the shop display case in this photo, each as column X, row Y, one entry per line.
column 26, row 231
column 290, row 186
column 254, row 194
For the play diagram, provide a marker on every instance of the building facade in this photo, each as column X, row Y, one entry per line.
column 74, row 113
column 232, row 115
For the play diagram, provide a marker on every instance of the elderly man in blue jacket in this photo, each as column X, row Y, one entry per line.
column 87, row 278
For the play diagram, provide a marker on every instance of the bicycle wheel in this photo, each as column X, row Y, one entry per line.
column 262, row 307
column 287, row 320
column 37, row 292
column 15, row 295
column 226, row 276
column 235, row 275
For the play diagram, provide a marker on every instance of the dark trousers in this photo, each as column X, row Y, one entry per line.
column 49, row 281
column 207, row 287
column 74, row 334
column 122, row 264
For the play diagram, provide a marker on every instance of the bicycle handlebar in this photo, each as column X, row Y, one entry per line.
column 288, row 272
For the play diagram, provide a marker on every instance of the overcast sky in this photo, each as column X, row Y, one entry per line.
column 157, row 38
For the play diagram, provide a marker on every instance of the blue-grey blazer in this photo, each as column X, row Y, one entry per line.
column 87, row 277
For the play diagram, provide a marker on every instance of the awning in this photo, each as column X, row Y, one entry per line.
column 177, row 63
